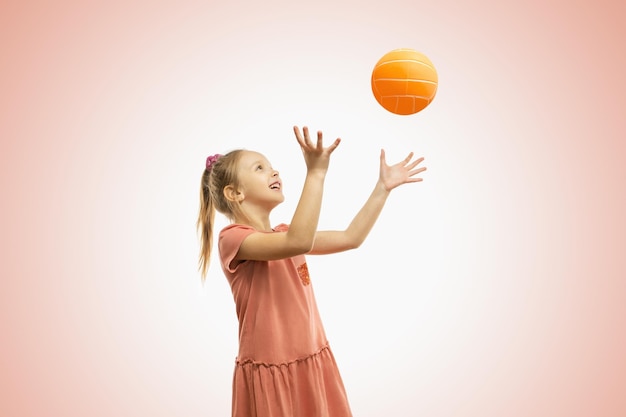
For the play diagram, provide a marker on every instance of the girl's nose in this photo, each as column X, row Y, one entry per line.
column 275, row 173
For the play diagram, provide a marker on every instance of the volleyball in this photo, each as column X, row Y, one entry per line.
column 404, row 81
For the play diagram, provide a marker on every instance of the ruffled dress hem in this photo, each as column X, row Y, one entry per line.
column 310, row 386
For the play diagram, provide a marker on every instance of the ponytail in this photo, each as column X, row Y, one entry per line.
column 204, row 225
column 220, row 172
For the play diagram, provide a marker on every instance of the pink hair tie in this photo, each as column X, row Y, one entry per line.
column 212, row 160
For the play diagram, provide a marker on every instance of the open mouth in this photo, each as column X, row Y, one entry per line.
column 275, row 185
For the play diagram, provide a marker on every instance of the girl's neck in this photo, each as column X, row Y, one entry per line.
column 261, row 224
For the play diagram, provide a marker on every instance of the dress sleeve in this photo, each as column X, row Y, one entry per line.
column 229, row 241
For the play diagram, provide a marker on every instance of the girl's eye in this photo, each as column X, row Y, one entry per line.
column 259, row 167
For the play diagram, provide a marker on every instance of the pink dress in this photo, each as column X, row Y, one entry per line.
column 285, row 367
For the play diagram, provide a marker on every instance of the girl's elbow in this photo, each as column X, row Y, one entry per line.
column 355, row 245
column 305, row 248
column 351, row 244
column 302, row 246
column 355, row 241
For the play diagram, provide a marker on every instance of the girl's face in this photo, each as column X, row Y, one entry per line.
column 259, row 182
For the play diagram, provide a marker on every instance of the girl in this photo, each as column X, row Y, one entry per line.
column 285, row 367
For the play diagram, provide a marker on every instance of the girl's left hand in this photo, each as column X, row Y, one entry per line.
column 403, row 172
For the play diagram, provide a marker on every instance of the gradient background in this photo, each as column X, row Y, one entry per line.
column 495, row 288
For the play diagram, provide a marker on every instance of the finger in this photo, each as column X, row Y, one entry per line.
column 320, row 141
column 307, row 139
column 416, row 171
column 296, row 131
column 408, row 158
column 334, row 145
column 415, row 163
column 383, row 160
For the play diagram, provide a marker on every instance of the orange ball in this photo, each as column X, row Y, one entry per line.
column 404, row 81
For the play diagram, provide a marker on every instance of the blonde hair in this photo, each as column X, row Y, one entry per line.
column 222, row 173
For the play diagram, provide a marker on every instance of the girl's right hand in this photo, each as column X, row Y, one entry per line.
column 316, row 156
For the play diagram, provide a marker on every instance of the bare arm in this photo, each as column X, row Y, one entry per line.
column 360, row 227
column 301, row 234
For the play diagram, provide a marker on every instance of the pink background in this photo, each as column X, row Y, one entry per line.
column 495, row 288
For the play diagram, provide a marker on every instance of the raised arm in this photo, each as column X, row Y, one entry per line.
column 301, row 234
column 303, row 225
column 390, row 177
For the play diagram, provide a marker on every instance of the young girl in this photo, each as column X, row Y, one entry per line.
column 285, row 367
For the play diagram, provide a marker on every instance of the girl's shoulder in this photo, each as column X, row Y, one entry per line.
column 282, row 227
column 236, row 232
column 236, row 226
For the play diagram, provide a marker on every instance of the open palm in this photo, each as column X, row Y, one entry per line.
column 403, row 172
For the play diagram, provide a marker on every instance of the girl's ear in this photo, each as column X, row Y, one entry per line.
column 231, row 194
